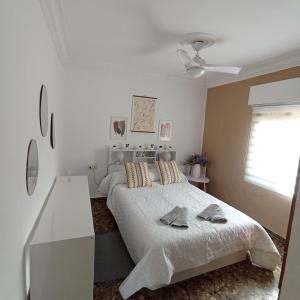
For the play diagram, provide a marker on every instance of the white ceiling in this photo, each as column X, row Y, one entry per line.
column 144, row 34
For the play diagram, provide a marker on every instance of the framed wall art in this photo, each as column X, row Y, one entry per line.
column 118, row 128
column 165, row 130
column 143, row 114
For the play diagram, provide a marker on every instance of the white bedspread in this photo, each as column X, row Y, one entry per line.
column 159, row 250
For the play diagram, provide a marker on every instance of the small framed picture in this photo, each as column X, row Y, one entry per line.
column 118, row 128
column 165, row 130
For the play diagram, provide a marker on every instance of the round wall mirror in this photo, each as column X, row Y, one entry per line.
column 52, row 131
column 43, row 110
column 32, row 167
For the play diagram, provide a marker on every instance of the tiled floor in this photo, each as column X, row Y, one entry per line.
column 237, row 282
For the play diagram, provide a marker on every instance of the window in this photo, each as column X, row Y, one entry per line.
column 274, row 148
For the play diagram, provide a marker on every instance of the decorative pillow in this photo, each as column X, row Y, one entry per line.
column 137, row 174
column 168, row 172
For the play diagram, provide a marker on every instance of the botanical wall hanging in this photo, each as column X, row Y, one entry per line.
column 143, row 114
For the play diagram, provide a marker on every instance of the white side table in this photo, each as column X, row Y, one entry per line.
column 201, row 179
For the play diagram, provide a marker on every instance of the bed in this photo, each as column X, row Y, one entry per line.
column 165, row 255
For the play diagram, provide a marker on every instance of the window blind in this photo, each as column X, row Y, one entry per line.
column 274, row 148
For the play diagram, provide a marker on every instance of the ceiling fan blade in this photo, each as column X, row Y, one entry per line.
column 191, row 72
column 185, row 58
column 222, row 69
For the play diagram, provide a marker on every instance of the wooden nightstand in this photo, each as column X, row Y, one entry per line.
column 202, row 179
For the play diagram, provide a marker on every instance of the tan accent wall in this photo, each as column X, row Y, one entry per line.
column 226, row 136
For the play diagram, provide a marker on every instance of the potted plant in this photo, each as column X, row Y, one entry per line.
column 203, row 165
column 198, row 163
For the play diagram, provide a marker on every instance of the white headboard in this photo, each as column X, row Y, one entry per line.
column 118, row 155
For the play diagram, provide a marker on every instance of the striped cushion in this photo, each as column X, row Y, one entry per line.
column 168, row 172
column 137, row 174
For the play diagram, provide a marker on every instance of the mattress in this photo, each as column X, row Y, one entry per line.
column 159, row 250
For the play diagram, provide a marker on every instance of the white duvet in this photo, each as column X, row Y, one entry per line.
column 159, row 250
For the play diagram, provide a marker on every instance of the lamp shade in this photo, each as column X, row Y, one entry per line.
column 120, row 156
column 195, row 72
column 167, row 156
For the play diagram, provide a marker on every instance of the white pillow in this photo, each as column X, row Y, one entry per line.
column 153, row 174
column 104, row 185
column 115, row 168
column 120, row 177
column 111, row 180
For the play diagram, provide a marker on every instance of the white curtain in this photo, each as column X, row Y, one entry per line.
column 274, row 148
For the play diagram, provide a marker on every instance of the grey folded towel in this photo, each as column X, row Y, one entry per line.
column 177, row 217
column 181, row 220
column 213, row 213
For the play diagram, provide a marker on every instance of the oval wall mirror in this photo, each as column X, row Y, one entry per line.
column 52, row 131
column 43, row 110
column 32, row 167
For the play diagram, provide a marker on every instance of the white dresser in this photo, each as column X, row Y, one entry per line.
column 63, row 244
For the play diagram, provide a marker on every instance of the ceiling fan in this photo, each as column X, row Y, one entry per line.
column 197, row 66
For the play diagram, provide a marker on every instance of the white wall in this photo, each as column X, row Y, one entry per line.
column 276, row 93
column 290, row 286
column 27, row 59
column 92, row 97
